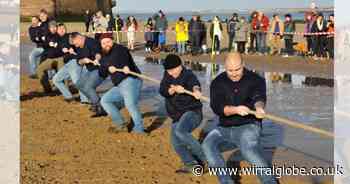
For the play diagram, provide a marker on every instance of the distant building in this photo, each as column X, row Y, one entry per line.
column 64, row 7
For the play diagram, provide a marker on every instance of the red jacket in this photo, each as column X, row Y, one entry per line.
column 264, row 21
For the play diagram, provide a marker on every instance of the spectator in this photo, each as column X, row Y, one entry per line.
column 276, row 33
column 289, row 29
column 253, row 43
column 161, row 26
column 241, row 35
column 196, row 31
column 330, row 36
column 101, row 24
column 131, row 27
column 216, row 34
column 93, row 20
column 119, row 23
column 231, row 30
column 261, row 25
column 181, row 29
column 149, row 35
column 111, row 23
column 203, row 39
column 319, row 26
column 309, row 21
column 87, row 20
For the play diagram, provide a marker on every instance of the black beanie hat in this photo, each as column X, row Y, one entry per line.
column 172, row 61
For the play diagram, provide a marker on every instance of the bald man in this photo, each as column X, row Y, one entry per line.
column 232, row 94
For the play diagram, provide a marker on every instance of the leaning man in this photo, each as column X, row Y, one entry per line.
column 233, row 94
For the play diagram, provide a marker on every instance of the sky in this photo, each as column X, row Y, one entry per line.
column 193, row 5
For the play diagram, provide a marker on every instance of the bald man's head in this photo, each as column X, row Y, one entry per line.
column 234, row 66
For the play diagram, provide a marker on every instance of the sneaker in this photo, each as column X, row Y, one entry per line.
column 205, row 166
column 285, row 56
column 99, row 111
column 186, row 168
column 69, row 100
column 118, row 129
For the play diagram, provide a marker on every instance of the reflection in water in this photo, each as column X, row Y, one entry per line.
column 212, row 70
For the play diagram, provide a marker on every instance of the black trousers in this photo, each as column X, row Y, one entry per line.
column 289, row 46
column 241, row 47
column 87, row 25
column 149, row 44
column 252, row 46
column 155, row 39
column 216, row 43
column 196, row 43
column 319, row 45
column 330, row 47
column 231, row 36
column 309, row 41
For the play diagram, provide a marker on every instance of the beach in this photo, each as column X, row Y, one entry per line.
column 60, row 143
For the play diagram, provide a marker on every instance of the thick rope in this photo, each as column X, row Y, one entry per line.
column 271, row 117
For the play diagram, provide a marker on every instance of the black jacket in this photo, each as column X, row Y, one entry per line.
column 90, row 49
column 247, row 91
column 178, row 104
column 119, row 56
column 196, row 28
column 111, row 24
column 63, row 42
column 44, row 26
column 35, row 34
column 87, row 18
column 51, row 51
column 231, row 26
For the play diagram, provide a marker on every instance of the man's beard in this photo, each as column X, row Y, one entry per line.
column 106, row 50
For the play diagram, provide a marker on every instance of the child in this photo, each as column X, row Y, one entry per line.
column 131, row 32
column 149, row 35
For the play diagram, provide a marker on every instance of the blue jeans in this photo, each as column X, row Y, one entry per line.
column 126, row 93
column 87, row 84
column 34, row 59
column 181, row 47
column 71, row 70
column 261, row 42
column 185, row 145
column 246, row 138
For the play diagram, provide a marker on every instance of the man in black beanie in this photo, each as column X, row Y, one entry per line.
column 185, row 110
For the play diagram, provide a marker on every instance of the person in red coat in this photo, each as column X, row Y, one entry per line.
column 261, row 26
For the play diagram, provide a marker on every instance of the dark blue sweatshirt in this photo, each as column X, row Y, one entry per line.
column 119, row 56
column 178, row 104
column 247, row 91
